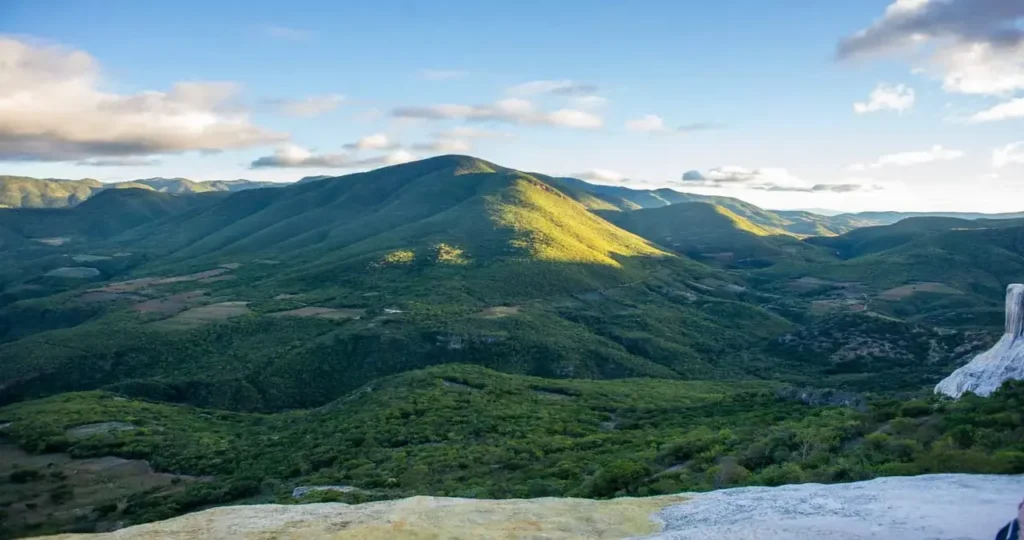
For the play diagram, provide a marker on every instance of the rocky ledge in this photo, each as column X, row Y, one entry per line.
column 963, row 507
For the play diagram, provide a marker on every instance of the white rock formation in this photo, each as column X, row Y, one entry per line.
column 937, row 506
column 946, row 506
column 1004, row 361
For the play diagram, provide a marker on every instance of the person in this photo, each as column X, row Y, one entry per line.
column 1011, row 531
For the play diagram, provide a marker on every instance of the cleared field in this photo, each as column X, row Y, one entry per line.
column 170, row 304
column 198, row 316
column 59, row 490
column 74, row 272
column 141, row 283
column 321, row 312
column 898, row 293
column 498, row 312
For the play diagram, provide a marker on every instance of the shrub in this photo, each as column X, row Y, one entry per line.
column 22, row 476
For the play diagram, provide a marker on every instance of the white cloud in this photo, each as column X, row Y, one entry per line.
column 444, row 146
column 441, row 74
column 652, row 123
column 511, row 110
column 977, row 46
column 602, row 175
column 897, row 97
column 377, row 141
column 1011, row 154
column 395, row 158
column 648, row 123
column 769, row 179
column 573, row 118
column 903, row 159
column 310, row 106
column 468, row 132
column 563, row 87
column 982, row 68
column 119, row 162
column 52, row 109
column 293, row 156
column 1004, row 111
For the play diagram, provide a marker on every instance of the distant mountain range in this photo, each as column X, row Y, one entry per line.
column 26, row 192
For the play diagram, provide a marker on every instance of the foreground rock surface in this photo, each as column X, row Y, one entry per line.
column 1004, row 361
column 963, row 507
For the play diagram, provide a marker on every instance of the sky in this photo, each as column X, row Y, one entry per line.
column 866, row 105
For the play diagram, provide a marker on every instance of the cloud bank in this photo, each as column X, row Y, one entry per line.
column 511, row 110
column 52, row 108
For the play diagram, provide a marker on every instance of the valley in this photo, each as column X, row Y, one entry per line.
column 453, row 327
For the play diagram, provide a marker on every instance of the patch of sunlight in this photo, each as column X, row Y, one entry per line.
column 553, row 227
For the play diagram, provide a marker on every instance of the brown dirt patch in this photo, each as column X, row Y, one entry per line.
column 498, row 312
column 808, row 283
column 104, row 296
column 131, row 285
column 88, row 482
column 898, row 293
column 198, row 316
column 215, row 279
column 191, row 277
column 321, row 312
column 170, row 305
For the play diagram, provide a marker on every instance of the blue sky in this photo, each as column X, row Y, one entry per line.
column 749, row 94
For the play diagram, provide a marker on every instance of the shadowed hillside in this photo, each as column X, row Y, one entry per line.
column 715, row 235
column 270, row 299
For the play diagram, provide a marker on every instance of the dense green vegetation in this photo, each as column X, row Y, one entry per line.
column 715, row 235
column 451, row 326
column 26, row 192
column 466, row 431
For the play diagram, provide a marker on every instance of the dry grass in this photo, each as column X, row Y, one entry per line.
column 321, row 312
column 170, row 305
column 198, row 316
column 498, row 312
column 898, row 293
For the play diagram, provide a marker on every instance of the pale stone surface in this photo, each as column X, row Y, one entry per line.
column 1004, row 361
column 413, row 518
column 947, row 506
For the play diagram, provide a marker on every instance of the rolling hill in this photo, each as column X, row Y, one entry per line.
column 453, row 327
column 715, row 235
column 26, row 192
column 449, row 259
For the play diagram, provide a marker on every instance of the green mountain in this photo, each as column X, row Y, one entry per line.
column 715, row 235
column 25, row 192
column 454, row 327
column 940, row 271
column 103, row 215
column 609, row 198
column 449, row 259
